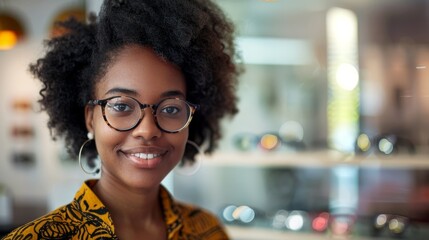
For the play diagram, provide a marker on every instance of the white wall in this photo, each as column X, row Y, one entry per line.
column 93, row 5
column 32, row 184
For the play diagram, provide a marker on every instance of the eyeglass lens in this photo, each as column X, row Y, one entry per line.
column 124, row 113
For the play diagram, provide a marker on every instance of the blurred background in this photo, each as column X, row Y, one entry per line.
column 332, row 137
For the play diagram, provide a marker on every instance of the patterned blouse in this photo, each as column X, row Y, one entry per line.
column 87, row 218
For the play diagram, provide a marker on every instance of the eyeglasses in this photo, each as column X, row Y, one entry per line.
column 395, row 225
column 124, row 113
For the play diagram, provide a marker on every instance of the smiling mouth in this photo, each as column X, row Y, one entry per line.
column 146, row 156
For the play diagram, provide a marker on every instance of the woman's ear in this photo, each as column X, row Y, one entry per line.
column 89, row 118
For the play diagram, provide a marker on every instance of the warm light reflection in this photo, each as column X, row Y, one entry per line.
column 269, row 141
column 11, row 31
column 321, row 222
column 8, row 39
column 363, row 142
column 396, row 226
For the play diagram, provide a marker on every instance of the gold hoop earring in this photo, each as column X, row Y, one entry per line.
column 188, row 167
column 95, row 170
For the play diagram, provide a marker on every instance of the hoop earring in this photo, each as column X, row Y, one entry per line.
column 95, row 170
column 188, row 167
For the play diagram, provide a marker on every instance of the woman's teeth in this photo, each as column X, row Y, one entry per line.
column 146, row 156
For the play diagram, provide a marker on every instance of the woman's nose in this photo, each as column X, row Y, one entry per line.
column 147, row 128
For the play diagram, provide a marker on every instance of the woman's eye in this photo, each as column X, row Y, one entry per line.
column 170, row 110
column 120, row 107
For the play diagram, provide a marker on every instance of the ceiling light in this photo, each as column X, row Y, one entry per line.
column 11, row 31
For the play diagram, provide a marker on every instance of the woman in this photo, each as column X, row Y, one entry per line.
column 141, row 82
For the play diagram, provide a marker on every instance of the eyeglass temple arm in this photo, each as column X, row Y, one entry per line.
column 95, row 102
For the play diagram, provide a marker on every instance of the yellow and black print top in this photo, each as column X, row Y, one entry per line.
column 87, row 218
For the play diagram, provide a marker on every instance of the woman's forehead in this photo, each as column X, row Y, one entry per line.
column 141, row 70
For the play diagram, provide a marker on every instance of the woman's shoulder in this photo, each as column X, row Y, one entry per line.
column 190, row 221
column 201, row 222
column 193, row 211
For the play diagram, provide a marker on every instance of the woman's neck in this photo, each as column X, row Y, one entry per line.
column 135, row 212
column 128, row 203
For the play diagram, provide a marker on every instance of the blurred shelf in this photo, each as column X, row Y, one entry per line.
column 247, row 233
column 318, row 159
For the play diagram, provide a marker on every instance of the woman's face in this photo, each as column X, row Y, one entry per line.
column 143, row 156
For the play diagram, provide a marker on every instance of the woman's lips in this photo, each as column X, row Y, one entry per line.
column 147, row 160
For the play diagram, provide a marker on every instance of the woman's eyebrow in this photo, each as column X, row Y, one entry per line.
column 172, row 93
column 131, row 92
column 122, row 90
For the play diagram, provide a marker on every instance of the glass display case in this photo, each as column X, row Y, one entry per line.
column 317, row 195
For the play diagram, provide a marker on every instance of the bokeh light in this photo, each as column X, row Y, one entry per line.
column 11, row 31
column 244, row 214
column 269, row 141
column 397, row 225
column 321, row 222
column 385, row 146
column 247, row 214
column 380, row 221
column 295, row 221
column 279, row 220
column 363, row 142
column 227, row 213
column 347, row 76
column 8, row 39
column 246, row 141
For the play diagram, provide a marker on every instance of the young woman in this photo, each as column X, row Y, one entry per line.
column 141, row 81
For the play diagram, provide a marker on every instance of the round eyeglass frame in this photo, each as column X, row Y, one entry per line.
column 143, row 106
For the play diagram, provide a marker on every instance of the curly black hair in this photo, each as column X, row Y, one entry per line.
column 194, row 35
